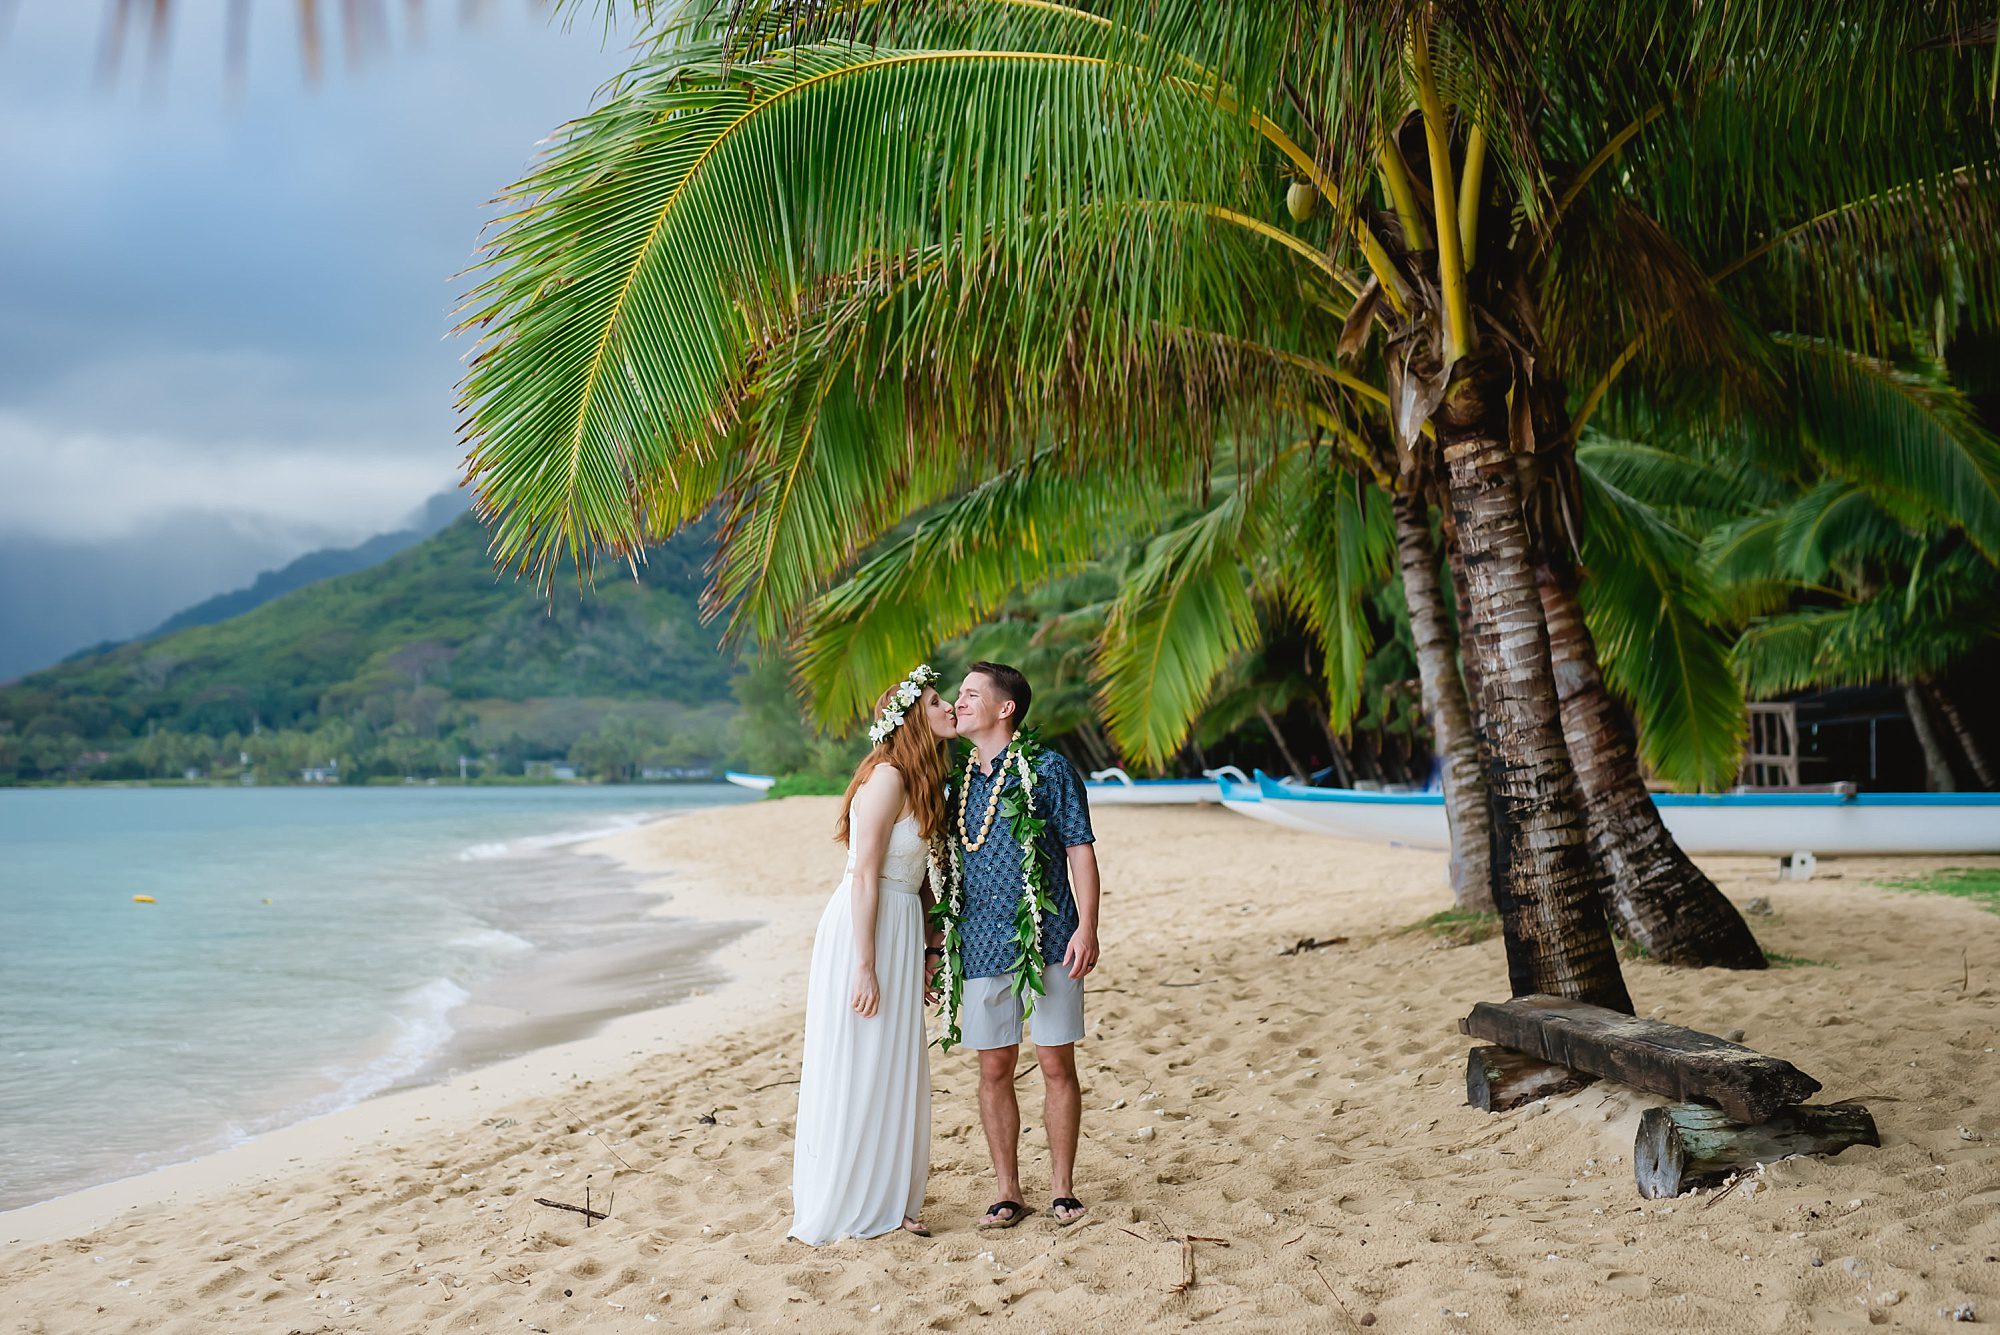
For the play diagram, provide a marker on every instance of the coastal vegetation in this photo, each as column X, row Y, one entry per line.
column 397, row 671
column 1139, row 250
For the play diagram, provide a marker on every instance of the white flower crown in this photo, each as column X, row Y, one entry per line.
column 906, row 696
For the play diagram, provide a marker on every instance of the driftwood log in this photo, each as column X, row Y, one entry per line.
column 1686, row 1145
column 1497, row 1079
column 1649, row 1054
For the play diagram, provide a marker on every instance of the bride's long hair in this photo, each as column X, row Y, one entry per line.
column 921, row 755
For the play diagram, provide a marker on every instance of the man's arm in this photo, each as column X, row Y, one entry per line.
column 1081, row 957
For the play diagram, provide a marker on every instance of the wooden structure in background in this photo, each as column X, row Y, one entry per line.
column 1771, row 759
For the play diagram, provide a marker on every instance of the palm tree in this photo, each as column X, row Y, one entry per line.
column 1855, row 533
column 1178, row 648
column 1125, row 160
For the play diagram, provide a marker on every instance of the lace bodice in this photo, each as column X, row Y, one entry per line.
column 903, row 864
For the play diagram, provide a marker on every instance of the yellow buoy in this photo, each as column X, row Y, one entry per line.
column 144, row 899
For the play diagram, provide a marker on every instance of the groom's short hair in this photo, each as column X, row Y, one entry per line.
column 1010, row 683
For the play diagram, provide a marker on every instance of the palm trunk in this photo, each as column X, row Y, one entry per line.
column 1445, row 703
column 1550, row 905
column 1937, row 765
column 1343, row 772
column 1968, row 741
column 1655, row 896
column 1278, row 736
column 1468, row 660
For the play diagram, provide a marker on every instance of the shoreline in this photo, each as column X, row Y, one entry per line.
column 456, row 1081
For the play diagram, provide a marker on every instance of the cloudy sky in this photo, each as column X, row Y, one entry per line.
column 224, row 320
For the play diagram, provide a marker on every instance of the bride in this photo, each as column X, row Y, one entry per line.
column 864, row 1128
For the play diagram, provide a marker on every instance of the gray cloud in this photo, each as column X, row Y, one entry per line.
column 277, row 272
column 242, row 307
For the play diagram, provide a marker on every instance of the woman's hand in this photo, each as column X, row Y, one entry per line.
column 867, row 992
column 933, row 967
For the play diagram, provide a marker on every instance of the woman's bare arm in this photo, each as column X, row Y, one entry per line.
column 876, row 807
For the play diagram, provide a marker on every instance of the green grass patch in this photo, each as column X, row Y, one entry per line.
column 807, row 785
column 1457, row 927
column 1780, row 960
column 1981, row 885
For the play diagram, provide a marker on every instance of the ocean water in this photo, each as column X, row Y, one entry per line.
column 308, row 948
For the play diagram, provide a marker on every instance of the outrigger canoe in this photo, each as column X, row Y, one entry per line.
column 1825, row 824
column 1115, row 788
column 760, row 782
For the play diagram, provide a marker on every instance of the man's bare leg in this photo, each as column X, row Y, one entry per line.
column 1062, row 1113
column 1000, row 1115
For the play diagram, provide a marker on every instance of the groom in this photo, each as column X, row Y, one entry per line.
column 992, row 705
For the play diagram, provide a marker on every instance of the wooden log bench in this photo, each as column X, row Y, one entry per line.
column 1688, row 1145
column 1735, row 1106
column 1683, row 1064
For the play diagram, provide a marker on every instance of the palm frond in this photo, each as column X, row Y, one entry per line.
column 1701, row 489
column 953, row 569
column 659, row 241
column 1907, row 435
column 1186, row 612
column 1337, row 549
column 1897, row 634
column 1826, row 526
column 1654, row 622
column 819, row 479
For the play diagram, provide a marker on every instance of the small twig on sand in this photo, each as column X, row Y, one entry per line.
column 1203, row 983
column 1187, row 1269
column 1305, row 943
column 1187, row 1259
column 1728, row 1187
column 774, row 1084
column 576, row 1209
column 1130, row 1234
column 1330, row 1292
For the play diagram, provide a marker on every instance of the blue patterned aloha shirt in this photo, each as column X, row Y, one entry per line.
column 993, row 873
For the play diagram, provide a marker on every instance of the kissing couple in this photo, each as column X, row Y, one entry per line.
column 979, row 894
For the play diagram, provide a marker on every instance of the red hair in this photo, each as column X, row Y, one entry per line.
column 919, row 754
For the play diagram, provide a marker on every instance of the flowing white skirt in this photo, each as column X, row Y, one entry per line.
column 863, row 1147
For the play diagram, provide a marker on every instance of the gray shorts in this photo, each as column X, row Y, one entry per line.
column 990, row 1015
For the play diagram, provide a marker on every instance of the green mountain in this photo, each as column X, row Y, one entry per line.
column 326, row 563
column 400, row 669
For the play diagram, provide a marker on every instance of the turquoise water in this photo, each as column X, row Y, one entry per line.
column 308, row 949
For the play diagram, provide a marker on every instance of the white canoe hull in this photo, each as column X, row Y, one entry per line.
column 1116, row 788
column 758, row 782
column 1825, row 824
column 1244, row 801
column 1153, row 793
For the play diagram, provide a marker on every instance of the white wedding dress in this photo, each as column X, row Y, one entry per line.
column 863, row 1147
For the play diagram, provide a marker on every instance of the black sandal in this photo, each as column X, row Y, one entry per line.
column 1016, row 1212
column 1068, row 1203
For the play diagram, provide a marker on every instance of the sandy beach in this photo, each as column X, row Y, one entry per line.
column 1270, row 1142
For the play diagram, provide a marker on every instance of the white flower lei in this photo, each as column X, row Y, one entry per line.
column 1030, row 892
column 948, row 875
column 907, row 693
